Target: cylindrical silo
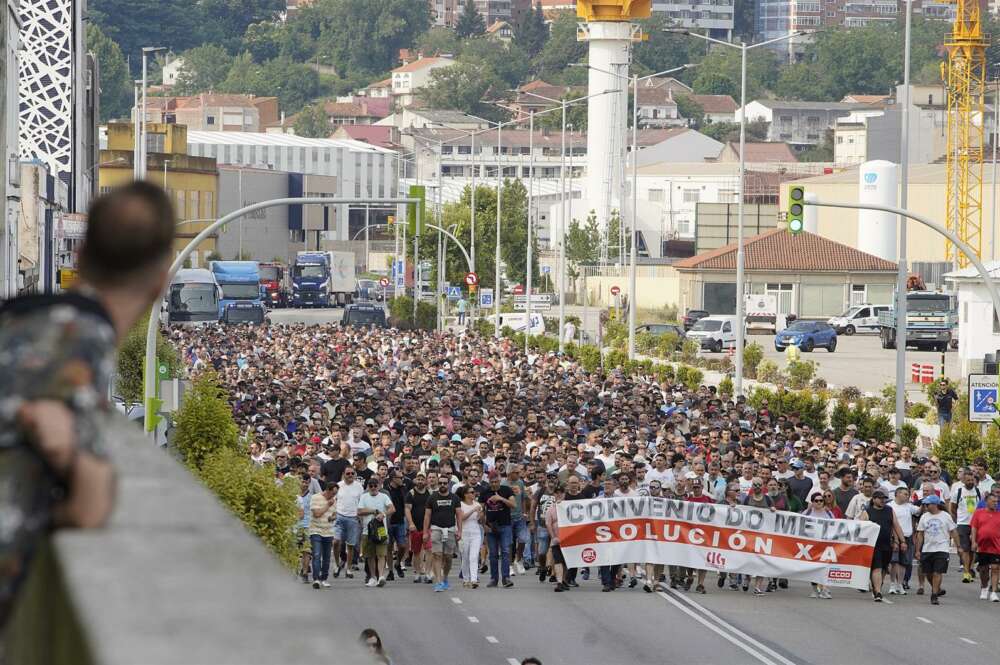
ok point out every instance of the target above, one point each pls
(878, 183)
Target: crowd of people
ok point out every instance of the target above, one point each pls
(415, 450)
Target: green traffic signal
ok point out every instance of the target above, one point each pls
(416, 192)
(796, 208)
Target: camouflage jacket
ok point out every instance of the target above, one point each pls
(51, 347)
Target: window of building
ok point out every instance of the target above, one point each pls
(728, 196)
(858, 294)
(840, 139)
(465, 149)
(446, 149)
(210, 120)
(208, 203)
(783, 292)
(691, 195)
(656, 196)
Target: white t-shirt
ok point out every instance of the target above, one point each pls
(937, 531)
(965, 502)
(781, 475)
(857, 505)
(379, 502)
(889, 488)
(348, 497)
(666, 477)
(905, 512)
(745, 484)
(943, 490)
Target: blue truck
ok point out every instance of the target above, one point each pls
(323, 279)
(931, 321)
(241, 300)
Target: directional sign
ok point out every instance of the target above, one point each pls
(984, 391)
(384, 282)
(486, 298)
(535, 306)
(536, 299)
(454, 293)
(471, 279)
(519, 290)
(546, 270)
(615, 290)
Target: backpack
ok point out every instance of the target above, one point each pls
(377, 533)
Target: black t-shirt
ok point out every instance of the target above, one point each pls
(364, 475)
(333, 469)
(800, 487)
(497, 512)
(398, 496)
(581, 495)
(418, 504)
(588, 492)
(944, 400)
(443, 508)
(843, 497)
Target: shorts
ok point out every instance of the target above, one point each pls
(934, 562)
(965, 537)
(302, 541)
(347, 530)
(443, 541)
(522, 534)
(370, 549)
(988, 559)
(881, 559)
(557, 555)
(904, 557)
(543, 540)
(397, 533)
(416, 541)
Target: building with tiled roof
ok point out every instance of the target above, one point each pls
(765, 152)
(409, 78)
(717, 108)
(812, 276)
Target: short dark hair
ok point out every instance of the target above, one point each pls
(129, 230)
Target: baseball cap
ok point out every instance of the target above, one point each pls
(933, 498)
(456, 437)
(880, 493)
(798, 465)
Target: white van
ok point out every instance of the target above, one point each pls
(714, 333)
(860, 318)
(518, 321)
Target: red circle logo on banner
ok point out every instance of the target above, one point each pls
(588, 555)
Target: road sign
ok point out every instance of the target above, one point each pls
(615, 290)
(425, 266)
(546, 270)
(486, 298)
(471, 278)
(535, 306)
(536, 299)
(519, 290)
(454, 293)
(67, 277)
(384, 282)
(984, 391)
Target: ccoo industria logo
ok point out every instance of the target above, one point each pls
(715, 560)
(870, 178)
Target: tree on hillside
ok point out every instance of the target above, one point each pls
(116, 82)
(531, 32)
(576, 115)
(312, 122)
(439, 40)
(470, 22)
(583, 244)
(204, 69)
(225, 22)
(244, 76)
(726, 132)
(664, 50)
(719, 73)
(134, 24)
(560, 50)
(486, 70)
(690, 109)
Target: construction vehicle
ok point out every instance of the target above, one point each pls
(931, 320)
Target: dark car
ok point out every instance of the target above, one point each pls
(369, 289)
(658, 329)
(692, 317)
(807, 335)
(364, 314)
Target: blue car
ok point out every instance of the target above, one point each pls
(807, 335)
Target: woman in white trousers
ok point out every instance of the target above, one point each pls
(470, 517)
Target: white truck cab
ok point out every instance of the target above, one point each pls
(715, 332)
(860, 318)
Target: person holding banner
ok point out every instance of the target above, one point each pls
(552, 526)
(890, 538)
(817, 508)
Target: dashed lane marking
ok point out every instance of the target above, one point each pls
(473, 619)
(457, 601)
(492, 640)
(968, 641)
(924, 619)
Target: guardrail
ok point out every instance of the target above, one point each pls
(174, 579)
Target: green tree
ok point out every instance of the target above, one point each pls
(134, 24)
(663, 50)
(561, 49)
(244, 76)
(719, 73)
(129, 384)
(726, 132)
(204, 422)
(582, 244)
(204, 69)
(312, 122)
(531, 33)
(690, 109)
(439, 40)
(470, 22)
(226, 21)
(485, 70)
(805, 81)
(823, 152)
(116, 82)
(576, 116)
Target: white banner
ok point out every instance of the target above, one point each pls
(741, 539)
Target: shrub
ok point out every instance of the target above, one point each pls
(768, 372)
(645, 342)
(664, 373)
(726, 387)
(810, 406)
(752, 355)
(689, 351)
(204, 422)
(958, 445)
(889, 397)
(840, 417)
(615, 358)
(267, 508)
(800, 373)
(589, 357)
(692, 378)
(401, 314)
(850, 393)
(615, 334)
(666, 344)
(129, 382)
(908, 433)
(917, 410)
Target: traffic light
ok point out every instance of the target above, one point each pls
(416, 192)
(796, 208)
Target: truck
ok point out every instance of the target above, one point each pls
(273, 282)
(193, 298)
(762, 314)
(323, 279)
(241, 300)
(931, 321)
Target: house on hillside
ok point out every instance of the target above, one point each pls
(717, 108)
(408, 79)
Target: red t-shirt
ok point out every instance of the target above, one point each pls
(987, 525)
(704, 498)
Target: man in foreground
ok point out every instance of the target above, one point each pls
(55, 373)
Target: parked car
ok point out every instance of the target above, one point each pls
(807, 335)
(660, 329)
(369, 289)
(714, 332)
(860, 318)
(692, 317)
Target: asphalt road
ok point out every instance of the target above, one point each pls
(585, 626)
(307, 316)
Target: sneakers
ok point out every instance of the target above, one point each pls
(984, 593)
(825, 595)
(349, 575)
(390, 577)
(814, 594)
(325, 584)
(519, 567)
(995, 597)
(633, 582)
(722, 580)
(920, 591)
(438, 588)
(506, 583)
(445, 586)
(967, 578)
(417, 579)
(700, 588)
(647, 588)
(877, 597)
(758, 592)
(934, 599)
(399, 572)
(371, 583)
(315, 584)
(892, 589)
(492, 584)
(336, 572)
(381, 582)
(585, 574)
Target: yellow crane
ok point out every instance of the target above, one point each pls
(965, 82)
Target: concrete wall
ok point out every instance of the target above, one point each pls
(264, 234)
(977, 336)
(656, 286)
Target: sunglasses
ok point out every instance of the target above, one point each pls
(817, 500)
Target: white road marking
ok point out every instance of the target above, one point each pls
(513, 661)
(492, 640)
(473, 619)
(924, 619)
(967, 640)
(457, 601)
(719, 631)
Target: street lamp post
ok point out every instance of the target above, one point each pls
(740, 258)
(146, 50)
(902, 271)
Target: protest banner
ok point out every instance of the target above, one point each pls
(731, 539)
